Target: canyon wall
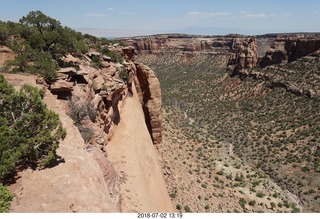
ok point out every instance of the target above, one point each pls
(188, 45)
(150, 98)
(286, 50)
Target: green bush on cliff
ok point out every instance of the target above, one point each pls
(29, 131)
(115, 57)
(39, 42)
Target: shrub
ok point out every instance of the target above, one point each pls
(115, 57)
(187, 209)
(79, 110)
(242, 202)
(96, 62)
(45, 67)
(5, 199)
(124, 74)
(86, 133)
(220, 172)
(29, 131)
(260, 194)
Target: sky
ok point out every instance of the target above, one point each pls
(116, 18)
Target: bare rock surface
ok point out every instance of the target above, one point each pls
(132, 151)
(149, 86)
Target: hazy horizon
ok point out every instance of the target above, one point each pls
(107, 18)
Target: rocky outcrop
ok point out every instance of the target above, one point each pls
(296, 57)
(288, 48)
(98, 99)
(107, 86)
(149, 91)
(246, 57)
(188, 45)
(5, 54)
(132, 149)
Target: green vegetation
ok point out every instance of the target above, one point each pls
(260, 194)
(39, 41)
(5, 199)
(115, 57)
(79, 110)
(29, 133)
(242, 202)
(187, 209)
(269, 128)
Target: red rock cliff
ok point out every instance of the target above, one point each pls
(149, 91)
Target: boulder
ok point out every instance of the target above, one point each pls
(61, 86)
(69, 70)
(72, 59)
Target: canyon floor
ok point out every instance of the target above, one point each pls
(228, 142)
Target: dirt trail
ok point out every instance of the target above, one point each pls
(132, 151)
(75, 185)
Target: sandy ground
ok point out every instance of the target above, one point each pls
(132, 151)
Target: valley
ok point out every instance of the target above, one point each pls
(239, 144)
(160, 123)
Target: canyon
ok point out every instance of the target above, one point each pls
(235, 104)
(205, 124)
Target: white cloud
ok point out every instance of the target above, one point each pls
(248, 14)
(197, 14)
(110, 9)
(95, 15)
(255, 15)
(200, 14)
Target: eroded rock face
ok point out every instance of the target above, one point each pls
(149, 92)
(5, 54)
(246, 56)
(189, 45)
(288, 48)
(100, 93)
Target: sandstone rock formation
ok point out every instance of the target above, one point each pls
(288, 48)
(284, 49)
(77, 184)
(100, 95)
(183, 44)
(246, 56)
(5, 54)
(131, 148)
(149, 92)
